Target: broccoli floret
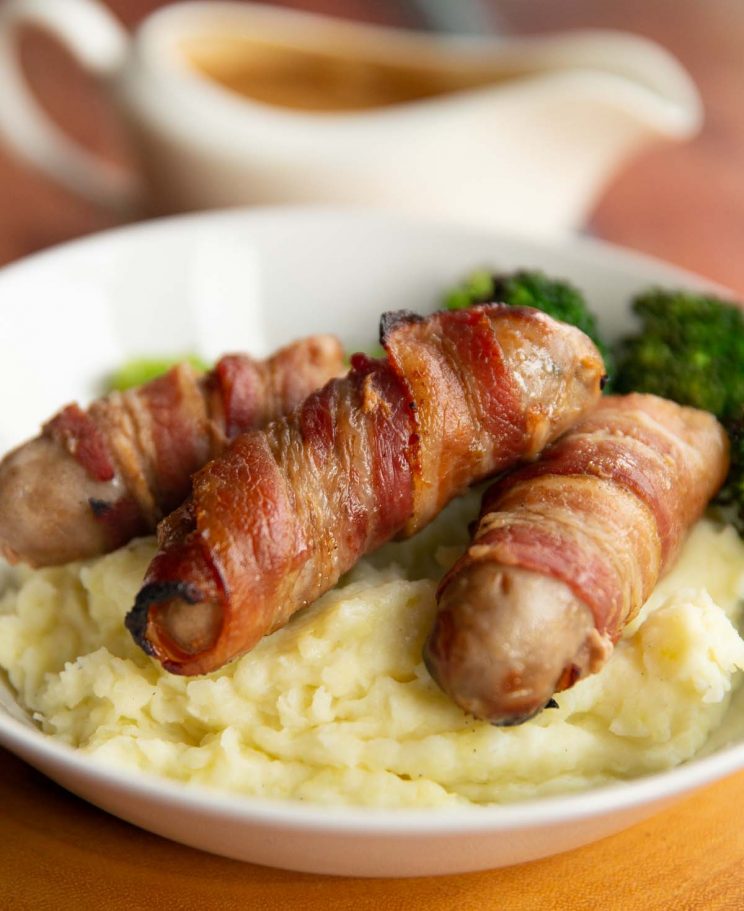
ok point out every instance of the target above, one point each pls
(477, 288)
(528, 288)
(141, 370)
(690, 348)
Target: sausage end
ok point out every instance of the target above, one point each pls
(506, 639)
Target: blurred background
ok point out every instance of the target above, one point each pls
(683, 202)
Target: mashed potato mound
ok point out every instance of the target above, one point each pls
(338, 708)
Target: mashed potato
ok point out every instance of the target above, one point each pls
(338, 707)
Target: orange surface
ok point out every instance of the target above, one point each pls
(59, 853)
(685, 204)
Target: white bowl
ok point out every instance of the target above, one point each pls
(253, 280)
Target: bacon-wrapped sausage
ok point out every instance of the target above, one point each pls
(566, 552)
(276, 520)
(94, 479)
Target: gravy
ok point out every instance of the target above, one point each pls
(310, 80)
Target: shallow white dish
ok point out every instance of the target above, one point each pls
(251, 281)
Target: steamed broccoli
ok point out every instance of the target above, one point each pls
(141, 370)
(690, 348)
(532, 289)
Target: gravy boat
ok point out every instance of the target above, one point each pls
(524, 132)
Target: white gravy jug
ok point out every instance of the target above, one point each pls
(521, 133)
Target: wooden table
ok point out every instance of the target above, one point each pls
(59, 853)
(685, 204)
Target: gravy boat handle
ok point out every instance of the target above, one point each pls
(99, 44)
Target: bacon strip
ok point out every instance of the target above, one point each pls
(284, 512)
(587, 531)
(77, 432)
(96, 478)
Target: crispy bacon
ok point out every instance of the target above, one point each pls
(96, 478)
(284, 512)
(586, 531)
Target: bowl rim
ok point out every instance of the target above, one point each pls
(32, 745)
(603, 251)
(28, 743)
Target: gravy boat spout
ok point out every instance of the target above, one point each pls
(577, 108)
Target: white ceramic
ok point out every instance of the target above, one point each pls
(530, 151)
(253, 280)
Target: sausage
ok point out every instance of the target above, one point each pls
(95, 479)
(566, 552)
(284, 512)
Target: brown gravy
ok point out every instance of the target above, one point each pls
(309, 80)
